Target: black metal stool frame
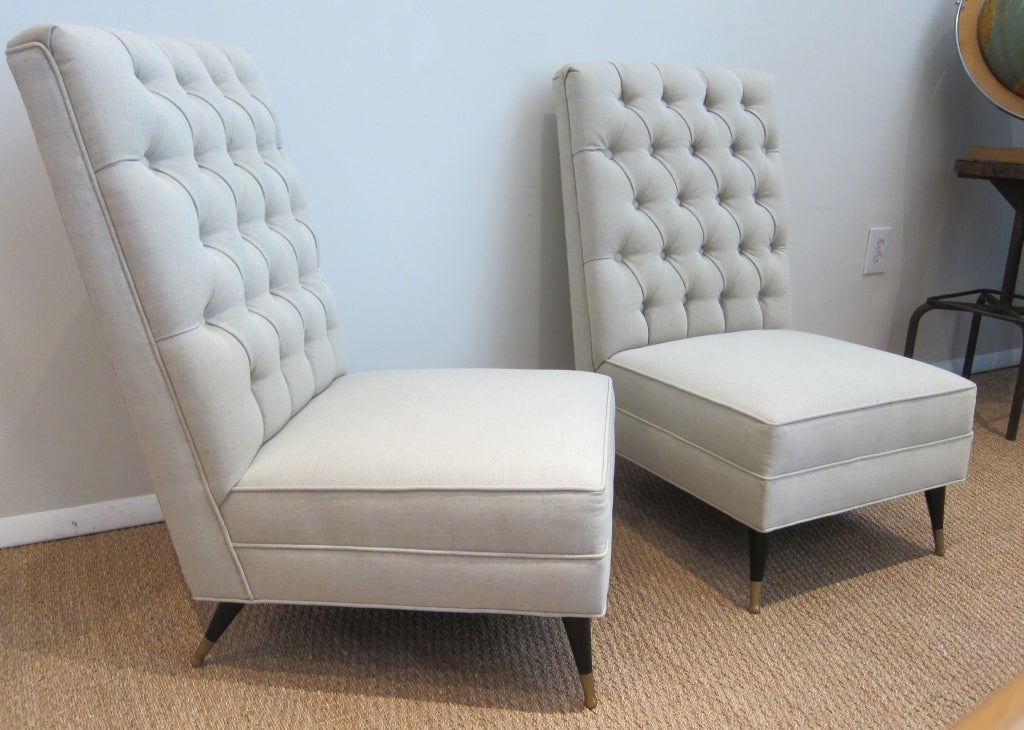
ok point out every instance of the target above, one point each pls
(1004, 304)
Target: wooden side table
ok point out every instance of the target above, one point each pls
(1003, 304)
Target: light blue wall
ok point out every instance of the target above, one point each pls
(426, 138)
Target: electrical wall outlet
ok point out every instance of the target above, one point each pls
(877, 251)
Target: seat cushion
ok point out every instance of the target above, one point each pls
(473, 464)
(776, 426)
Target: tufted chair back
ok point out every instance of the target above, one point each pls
(674, 211)
(220, 323)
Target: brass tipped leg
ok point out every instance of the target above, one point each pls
(758, 560)
(201, 651)
(755, 596)
(222, 618)
(936, 499)
(578, 631)
(589, 695)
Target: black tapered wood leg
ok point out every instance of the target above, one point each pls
(758, 560)
(578, 631)
(936, 499)
(222, 618)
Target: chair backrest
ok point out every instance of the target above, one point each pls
(674, 213)
(195, 246)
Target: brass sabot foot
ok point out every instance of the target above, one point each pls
(201, 651)
(755, 596)
(940, 543)
(589, 695)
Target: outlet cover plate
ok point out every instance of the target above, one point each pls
(877, 250)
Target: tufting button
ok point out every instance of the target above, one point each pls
(607, 153)
(650, 150)
(662, 256)
(701, 251)
(679, 202)
(617, 257)
(636, 203)
(690, 149)
(718, 199)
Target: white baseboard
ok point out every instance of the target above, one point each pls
(983, 362)
(83, 520)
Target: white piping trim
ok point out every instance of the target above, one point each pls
(420, 551)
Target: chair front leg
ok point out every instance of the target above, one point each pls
(578, 631)
(936, 499)
(758, 560)
(222, 618)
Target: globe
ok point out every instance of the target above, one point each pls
(990, 37)
(1001, 37)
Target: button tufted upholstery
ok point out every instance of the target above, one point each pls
(280, 479)
(685, 233)
(677, 248)
(214, 231)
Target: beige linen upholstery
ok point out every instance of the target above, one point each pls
(677, 247)
(282, 479)
(445, 489)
